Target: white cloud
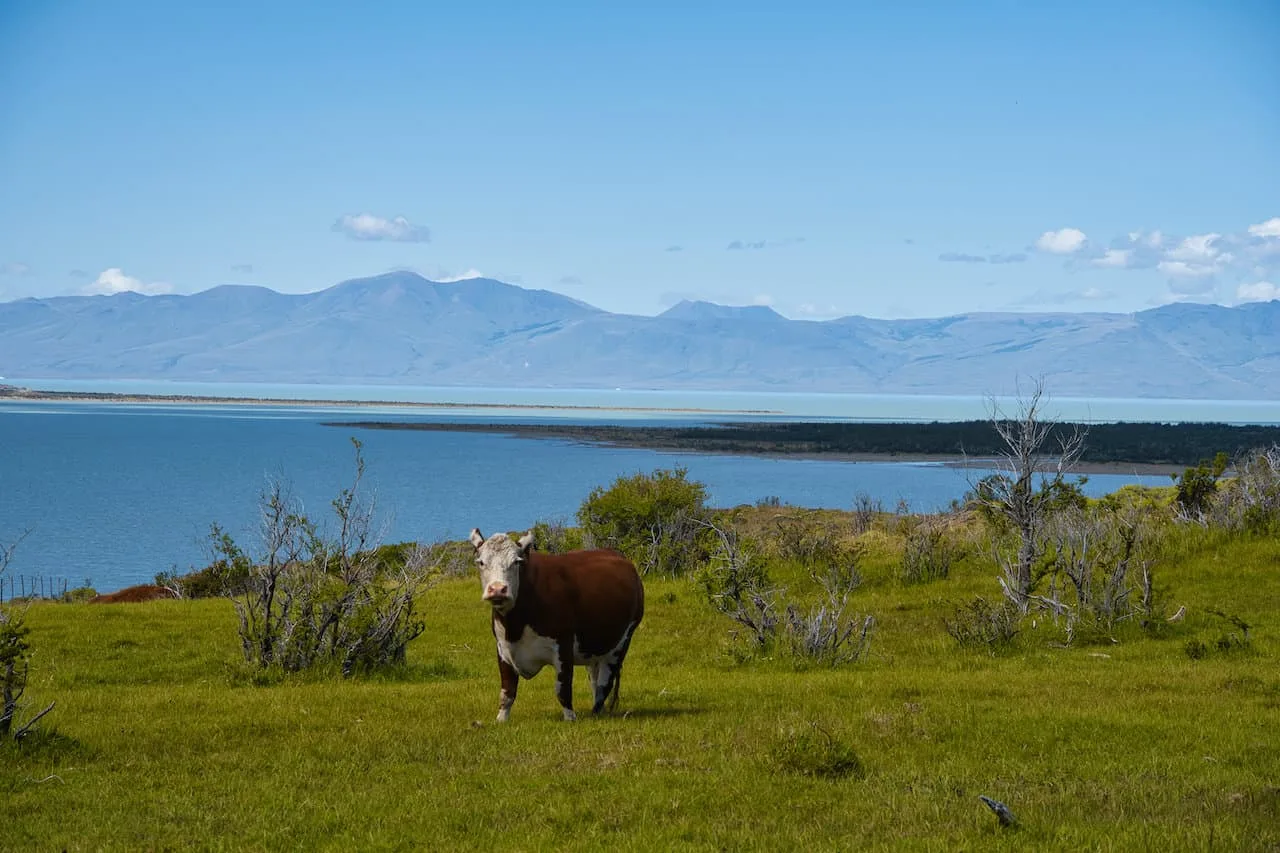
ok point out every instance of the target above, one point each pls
(114, 280)
(1064, 241)
(366, 226)
(762, 299)
(1259, 291)
(1200, 247)
(462, 276)
(1147, 239)
(1184, 269)
(1270, 228)
(810, 311)
(14, 268)
(1114, 258)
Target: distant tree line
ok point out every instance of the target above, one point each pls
(1145, 443)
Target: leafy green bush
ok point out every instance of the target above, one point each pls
(15, 661)
(1197, 486)
(556, 537)
(658, 520)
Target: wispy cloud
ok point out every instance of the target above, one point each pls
(366, 226)
(569, 281)
(81, 274)
(242, 269)
(813, 311)
(962, 258)
(114, 280)
(1064, 297)
(465, 275)
(674, 249)
(1258, 291)
(740, 245)
(14, 268)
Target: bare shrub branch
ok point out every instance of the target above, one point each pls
(311, 599)
(1012, 498)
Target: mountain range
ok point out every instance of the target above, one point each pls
(402, 329)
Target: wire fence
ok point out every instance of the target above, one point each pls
(31, 586)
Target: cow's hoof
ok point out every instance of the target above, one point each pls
(569, 716)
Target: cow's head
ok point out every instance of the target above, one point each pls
(500, 559)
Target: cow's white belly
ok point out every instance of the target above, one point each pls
(530, 653)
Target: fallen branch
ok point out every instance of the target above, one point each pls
(22, 732)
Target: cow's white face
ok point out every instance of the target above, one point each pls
(500, 559)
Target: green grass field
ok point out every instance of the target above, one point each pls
(163, 739)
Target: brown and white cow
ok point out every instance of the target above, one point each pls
(560, 610)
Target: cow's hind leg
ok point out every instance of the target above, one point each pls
(564, 680)
(609, 680)
(603, 676)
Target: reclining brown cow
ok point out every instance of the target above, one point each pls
(561, 610)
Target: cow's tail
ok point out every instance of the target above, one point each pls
(612, 701)
(615, 689)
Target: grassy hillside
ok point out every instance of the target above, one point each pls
(162, 738)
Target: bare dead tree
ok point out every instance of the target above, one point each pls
(1105, 561)
(1250, 499)
(1014, 498)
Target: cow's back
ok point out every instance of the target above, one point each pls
(598, 595)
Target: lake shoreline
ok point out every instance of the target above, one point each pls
(11, 393)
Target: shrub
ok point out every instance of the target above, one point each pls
(981, 624)
(1197, 486)
(811, 750)
(312, 599)
(813, 544)
(1102, 562)
(737, 584)
(1250, 501)
(556, 537)
(927, 553)
(658, 520)
(15, 661)
(865, 511)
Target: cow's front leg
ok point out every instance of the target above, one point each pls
(510, 682)
(564, 679)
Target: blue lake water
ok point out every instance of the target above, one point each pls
(114, 493)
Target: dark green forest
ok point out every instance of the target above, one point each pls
(1138, 443)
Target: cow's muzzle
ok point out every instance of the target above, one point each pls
(497, 594)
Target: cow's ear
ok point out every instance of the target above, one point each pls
(476, 539)
(526, 542)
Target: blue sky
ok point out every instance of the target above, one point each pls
(826, 159)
